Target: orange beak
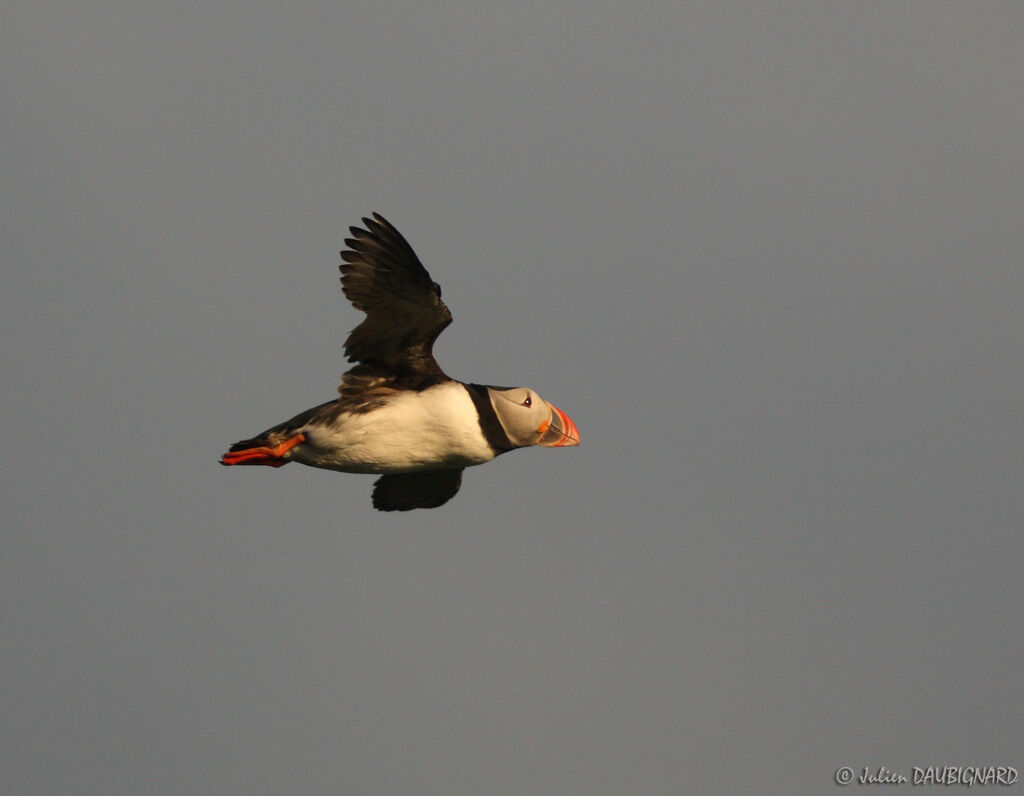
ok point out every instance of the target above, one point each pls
(559, 431)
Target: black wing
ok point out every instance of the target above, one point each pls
(426, 489)
(382, 276)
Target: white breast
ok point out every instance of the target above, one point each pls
(437, 427)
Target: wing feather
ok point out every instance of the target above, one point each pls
(382, 276)
(426, 489)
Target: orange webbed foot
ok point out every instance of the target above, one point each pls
(267, 456)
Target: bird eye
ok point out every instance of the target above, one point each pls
(528, 402)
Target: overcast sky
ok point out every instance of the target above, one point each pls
(767, 256)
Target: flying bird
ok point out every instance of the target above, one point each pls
(397, 413)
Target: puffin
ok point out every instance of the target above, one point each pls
(397, 414)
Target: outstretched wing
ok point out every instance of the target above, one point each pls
(382, 276)
(425, 489)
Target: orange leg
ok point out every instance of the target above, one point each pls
(271, 457)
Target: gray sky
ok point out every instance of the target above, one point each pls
(767, 256)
